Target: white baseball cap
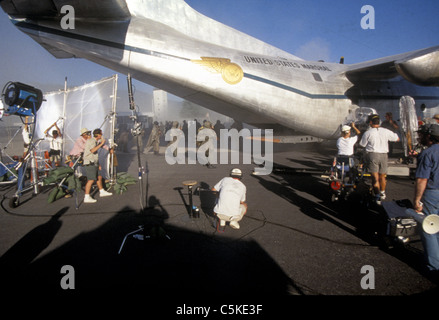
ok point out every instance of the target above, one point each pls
(236, 173)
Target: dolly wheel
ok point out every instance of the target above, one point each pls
(13, 202)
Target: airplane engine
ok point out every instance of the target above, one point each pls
(421, 70)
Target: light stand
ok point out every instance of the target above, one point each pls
(24, 101)
(136, 132)
(110, 117)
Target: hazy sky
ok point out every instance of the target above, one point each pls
(312, 29)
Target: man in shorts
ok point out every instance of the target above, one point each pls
(55, 144)
(376, 143)
(91, 165)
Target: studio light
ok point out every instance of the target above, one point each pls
(21, 99)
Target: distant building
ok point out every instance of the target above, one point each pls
(160, 105)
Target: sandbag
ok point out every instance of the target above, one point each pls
(57, 175)
(123, 179)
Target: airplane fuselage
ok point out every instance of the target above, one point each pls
(262, 89)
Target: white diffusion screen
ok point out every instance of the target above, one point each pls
(89, 106)
(50, 111)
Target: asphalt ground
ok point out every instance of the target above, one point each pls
(293, 240)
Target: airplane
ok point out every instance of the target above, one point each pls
(169, 45)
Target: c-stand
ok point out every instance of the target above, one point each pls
(136, 132)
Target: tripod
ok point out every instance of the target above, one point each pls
(141, 228)
(136, 234)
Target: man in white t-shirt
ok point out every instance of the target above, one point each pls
(345, 144)
(231, 203)
(55, 144)
(376, 143)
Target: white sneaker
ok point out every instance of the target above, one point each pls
(89, 199)
(234, 224)
(382, 195)
(104, 193)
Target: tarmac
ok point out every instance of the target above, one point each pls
(293, 241)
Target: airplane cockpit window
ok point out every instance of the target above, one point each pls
(317, 77)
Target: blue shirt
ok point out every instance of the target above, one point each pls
(428, 166)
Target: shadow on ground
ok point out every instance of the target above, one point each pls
(187, 263)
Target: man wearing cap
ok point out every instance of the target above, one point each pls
(92, 167)
(79, 145)
(345, 144)
(426, 198)
(231, 203)
(376, 143)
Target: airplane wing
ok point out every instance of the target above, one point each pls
(175, 14)
(108, 9)
(420, 67)
(57, 53)
(102, 11)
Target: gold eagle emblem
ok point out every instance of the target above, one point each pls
(230, 72)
